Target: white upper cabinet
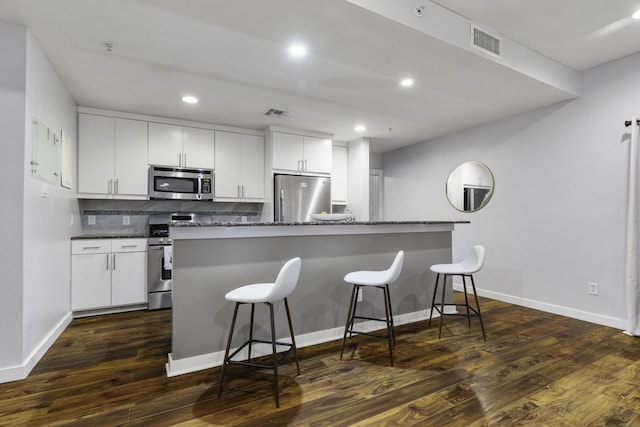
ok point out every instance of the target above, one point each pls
(317, 155)
(239, 166)
(339, 174)
(198, 148)
(112, 157)
(301, 154)
(131, 171)
(173, 145)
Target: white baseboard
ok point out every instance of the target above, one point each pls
(21, 372)
(210, 360)
(551, 308)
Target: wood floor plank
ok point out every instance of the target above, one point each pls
(535, 368)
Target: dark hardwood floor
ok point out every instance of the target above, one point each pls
(534, 369)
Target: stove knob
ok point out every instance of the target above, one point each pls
(161, 240)
(169, 241)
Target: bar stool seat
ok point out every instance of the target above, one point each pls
(267, 293)
(380, 280)
(472, 263)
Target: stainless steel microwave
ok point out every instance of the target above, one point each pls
(167, 182)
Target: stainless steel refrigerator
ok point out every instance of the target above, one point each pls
(296, 197)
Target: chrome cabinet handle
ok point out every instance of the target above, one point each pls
(107, 263)
(243, 191)
(113, 266)
(91, 247)
(109, 186)
(185, 160)
(115, 186)
(238, 190)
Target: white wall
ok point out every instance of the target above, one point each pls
(12, 105)
(557, 217)
(41, 252)
(358, 178)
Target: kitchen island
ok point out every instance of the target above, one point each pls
(210, 260)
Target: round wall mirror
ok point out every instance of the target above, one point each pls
(470, 186)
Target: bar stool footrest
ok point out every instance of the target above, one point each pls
(371, 334)
(438, 309)
(258, 365)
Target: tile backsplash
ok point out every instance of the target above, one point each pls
(108, 216)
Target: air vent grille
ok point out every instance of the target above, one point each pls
(485, 41)
(275, 112)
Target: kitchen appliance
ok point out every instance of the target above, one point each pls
(160, 257)
(296, 197)
(166, 182)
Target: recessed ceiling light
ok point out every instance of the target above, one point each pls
(190, 99)
(297, 50)
(360, 128)
(636, 14)
(407, 82)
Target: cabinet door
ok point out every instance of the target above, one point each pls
(131, 170)
(197, 148)
(252, 170)
(287, 151)
(90, 281)
(96, 137)
(228, 164)
(129, 278)
(165, 144)
(339, 175)
(317, 155)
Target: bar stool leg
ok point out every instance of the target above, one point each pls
(433, 300)
(275, 358)
(478, 306)
(293, 339)
(253, 308)
(349, 318)
(389, 324)
(226, 352)
(393, 326)
(444, 288)
(466, 299)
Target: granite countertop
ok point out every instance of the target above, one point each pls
(318, 223)
(110, 236)
(117, 235)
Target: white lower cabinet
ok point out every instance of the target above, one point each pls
(108, 273)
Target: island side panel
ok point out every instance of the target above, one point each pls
(206, 269)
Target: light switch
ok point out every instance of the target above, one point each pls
(126, 220)
(91, 220)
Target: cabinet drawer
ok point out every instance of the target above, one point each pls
(79, 247)
(129, 245)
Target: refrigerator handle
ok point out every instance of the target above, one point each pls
(281, 213)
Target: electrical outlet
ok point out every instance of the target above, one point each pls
(593, 288)
(244, 219)
(71, 220)
(91, 219)
(126, 220)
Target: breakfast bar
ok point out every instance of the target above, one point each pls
(210, 260)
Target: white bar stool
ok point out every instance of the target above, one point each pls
(266, 293)
(375, 279)
(471, 264)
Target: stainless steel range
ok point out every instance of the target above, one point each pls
(160, 265)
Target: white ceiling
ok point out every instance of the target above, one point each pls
(232, 55)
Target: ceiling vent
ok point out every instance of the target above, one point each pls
(274, 112)
(485, 41)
